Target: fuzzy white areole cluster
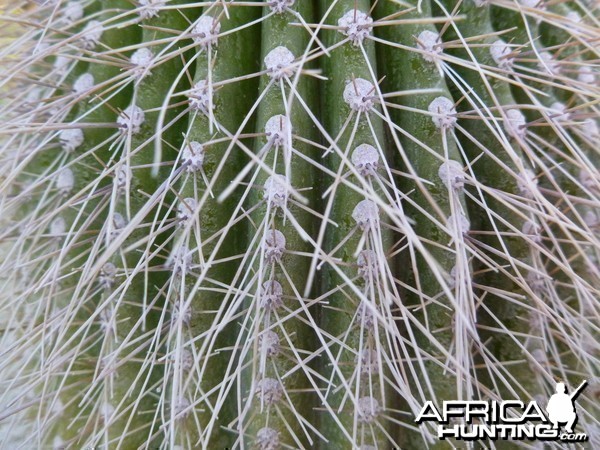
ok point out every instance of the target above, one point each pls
(590, 128)
(502, 54)
(280, 6)
(588, 180)
(108, 273)
(537, 357)
(73, 11)
(548, 63)
(515, 123)
(181, 260)
(533, 231)
(206, 31)
(452, 174)
(268, 341)
(458, 224)
(118, 223)
(200, 97)
(368, 409)
(84, 83)
(279, 63)
(181, 408)
(186, 360)
(365, 317)
(527, 183)
(368, 359)
(58, 227)
(359, 94)
(453, 277)
(91, 34)
(365, 158)
(573, 16)
(273, 246)
(430, 43)
(33, 100)
(559, 112)
(531, 3)
(58, 443)
(106, 411)
(366, 215)
(535, 320)
(181, 312)
(367, 265)
(276, 191)
(65, 181)
(271, 296)
(71, 139)
(357, 25)
(141, 61)
(592, 220)
(443, 113)
(277, 129)
(149, 8)
(186, 210)
(267, 439)
(192, 157)
(131, 119)
(586, 75)
(269, 391)
(123, 178)
(61, 63)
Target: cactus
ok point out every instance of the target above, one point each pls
(290, 223)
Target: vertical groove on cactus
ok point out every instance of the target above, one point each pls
(291, 223)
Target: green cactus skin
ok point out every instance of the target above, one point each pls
(81, 221)
(150, 95)
(358, 392)
(441, 216)
(287, 216)
(234, 55)
(497, 314)
(424, 148)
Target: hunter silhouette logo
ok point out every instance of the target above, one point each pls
(511, 419)
(561, 407)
